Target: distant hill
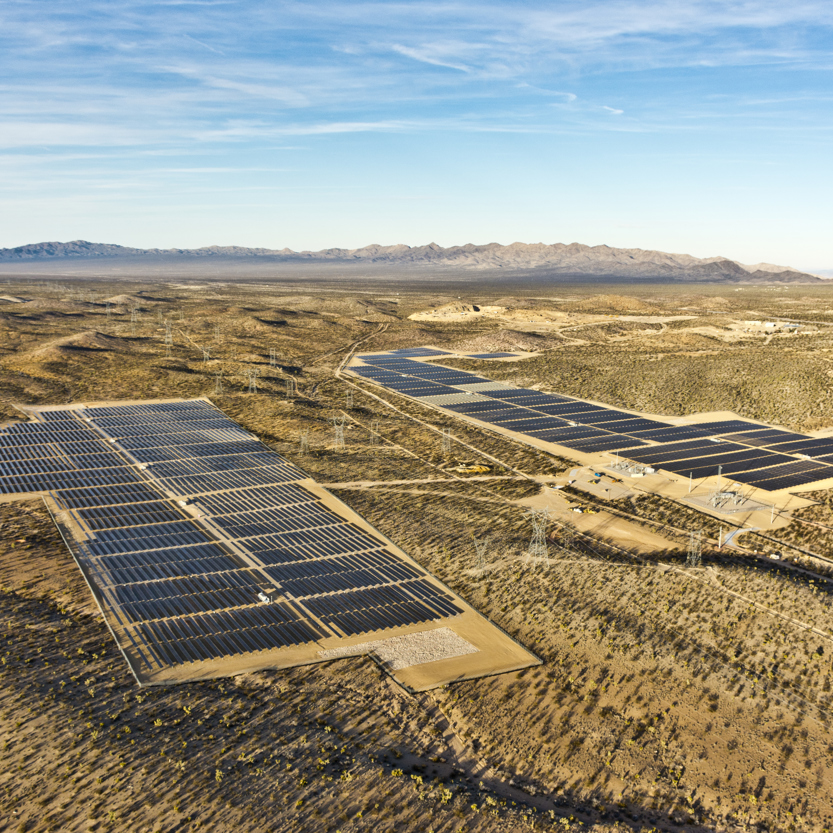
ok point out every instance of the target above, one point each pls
(558, 259)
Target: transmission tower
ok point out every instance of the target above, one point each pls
(218, 383)
(695, 549)
(348, 400)
(107, 309)
(217, 332)
(481, 552)
(538, 544)
(303, 440)
(446, 441)
(167, 351)
(134, 317)
(169, 339)
(206, 355)
(273, 357)
(252, 374)
(291, 388)
(338, 425)
(375, 427)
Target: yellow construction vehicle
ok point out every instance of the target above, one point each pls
(471, 469)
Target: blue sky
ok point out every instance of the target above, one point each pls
(701, 127)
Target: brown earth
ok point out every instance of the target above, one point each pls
(670, 698)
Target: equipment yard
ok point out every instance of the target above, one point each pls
(540, 574)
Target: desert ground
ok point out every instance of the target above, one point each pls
(670, 697)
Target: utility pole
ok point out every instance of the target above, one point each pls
(218, 383)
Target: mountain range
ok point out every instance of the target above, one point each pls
(567, 260)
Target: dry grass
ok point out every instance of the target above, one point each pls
(668, 698)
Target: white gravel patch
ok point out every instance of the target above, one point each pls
(410, 649)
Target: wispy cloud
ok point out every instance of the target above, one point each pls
(211, 85)
(426, 57)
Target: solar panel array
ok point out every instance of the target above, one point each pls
(191, 522)
(747, 452)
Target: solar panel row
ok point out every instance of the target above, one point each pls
(162, 572)
(743, 448)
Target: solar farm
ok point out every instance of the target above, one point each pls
(210, 554)
(742, 451)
